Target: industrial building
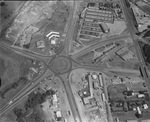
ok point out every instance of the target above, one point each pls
(87, 23)
(93, 23)
(125, 53)
(91, 28)
(104, 28)
(88, 98)
(92, 34)
(100, 15)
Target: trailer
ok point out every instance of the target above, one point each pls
(100, 80)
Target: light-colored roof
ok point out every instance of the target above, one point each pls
(58, 114)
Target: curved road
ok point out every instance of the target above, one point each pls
(64, 77)
(136, 40)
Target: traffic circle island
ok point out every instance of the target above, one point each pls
(60, 65)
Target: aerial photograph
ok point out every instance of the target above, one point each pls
(74, 60)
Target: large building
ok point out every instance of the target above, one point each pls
(93, 21)
(125, 53)
(100, 15)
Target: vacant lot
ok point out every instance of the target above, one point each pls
(8, 9)
(14, 71)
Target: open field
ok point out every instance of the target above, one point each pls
(15, 73)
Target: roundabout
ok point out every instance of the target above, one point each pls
(60, 65)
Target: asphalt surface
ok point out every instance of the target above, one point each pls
(103, 42)
(71, 25)
(69, 33)
(131, 27)
(31, 86)
(24, 92)
(71, 99)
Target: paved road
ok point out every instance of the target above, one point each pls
(105, 41)
(32, 86)
(71, 98)
(27, 86)
(25, 92)
(26, 54)
(69, 33)
(71, 26)
(132, 29)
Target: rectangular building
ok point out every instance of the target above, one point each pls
(85, 32)
(103, 97)
(100, 15)
(100, 80)
(91, 24)
(125, 53)
(96, 29)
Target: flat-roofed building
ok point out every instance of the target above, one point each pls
(90, 26)
(85, 23)
(100, 18)
(101, 15)
(104, 27)
(91, 85)
(132, 120)
(93, 5)
(100, 80)
(148, 120)
(97, 29)
(93, 34)
(125, 53)
(55, 99)
(58, 116)
(84, 37)
(96, 85)
(86, 100)
(88, 20)
(40, 44)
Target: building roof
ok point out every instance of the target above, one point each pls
(55, 97)
(145, 120)
(86, 100)
(132, 120)
(91, 4)
(58, 114)
(125, 53)
(40, 44)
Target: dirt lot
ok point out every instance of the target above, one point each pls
(12, 68)
(8, 8)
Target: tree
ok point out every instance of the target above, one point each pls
(27, 46)
(138, 115)
(14, 85)
(146, 50)
(23, 80)
(3, 4)
(37, 98)
(18, 112)
(0, 81)
(20, 120)
(2, 95)
(35, 116)
(34, 99)
(50, 92)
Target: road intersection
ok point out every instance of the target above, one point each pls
(53, 63)
(131, 27)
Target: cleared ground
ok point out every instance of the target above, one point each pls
(15, 73)
(8, 9)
